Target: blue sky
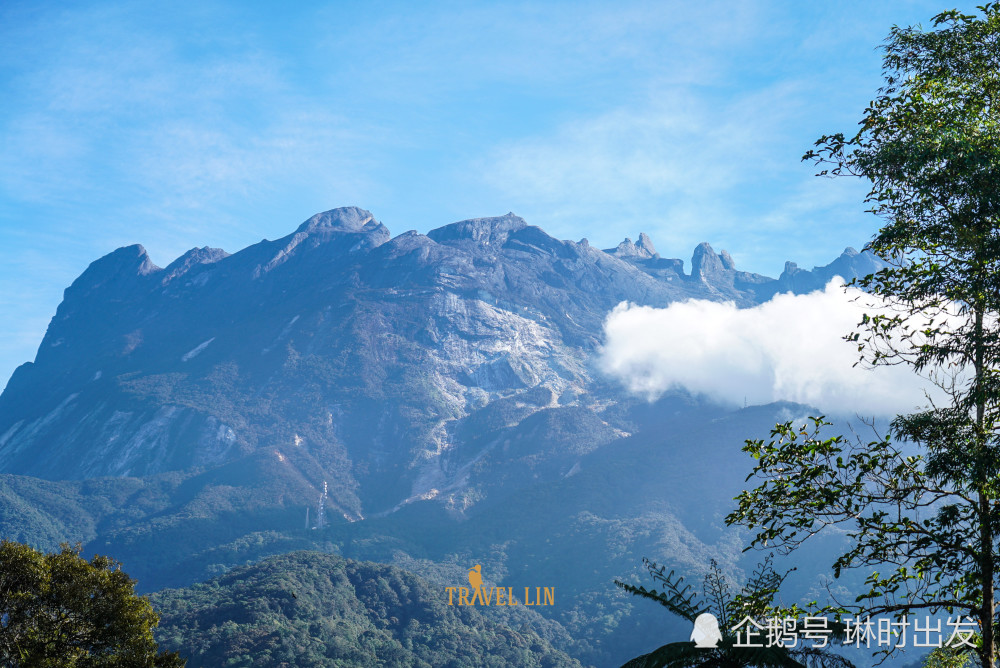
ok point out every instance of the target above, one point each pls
(182, 124)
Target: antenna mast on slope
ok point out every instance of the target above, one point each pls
(321, 511)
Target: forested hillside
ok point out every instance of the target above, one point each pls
(309, 609)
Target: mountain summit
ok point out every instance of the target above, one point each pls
(396, 368)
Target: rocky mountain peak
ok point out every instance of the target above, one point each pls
(643, 249)
(709, 267)
(483, 231)
(851, 264)
(193, 258)
(348, 229)
(118, 268)
(727, 260)
(646, 244)
(345, 219)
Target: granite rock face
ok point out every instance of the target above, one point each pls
(453, 366)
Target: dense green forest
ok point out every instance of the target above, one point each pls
(314, 609)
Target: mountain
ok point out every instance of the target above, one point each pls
(429, 401)
(291, 346)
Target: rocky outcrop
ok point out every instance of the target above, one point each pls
(643, 249)
(850, 265)
(707, 267)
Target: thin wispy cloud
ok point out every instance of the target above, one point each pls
(164, 120)
(688, 167)
(677, 146)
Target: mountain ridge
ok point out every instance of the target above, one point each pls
(475, 311)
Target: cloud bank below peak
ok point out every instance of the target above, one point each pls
(789, 348)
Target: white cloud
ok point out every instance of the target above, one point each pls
(789, 348)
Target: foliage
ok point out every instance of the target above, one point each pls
(923, 521)
(753, 601)
(900, 520)
(58, 609)
(946, 657)
(313, 609)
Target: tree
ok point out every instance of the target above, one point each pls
(754, 601)
(928, 511)
(59, 610)
(945, 657)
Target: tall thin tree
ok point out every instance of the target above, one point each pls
(925, 525)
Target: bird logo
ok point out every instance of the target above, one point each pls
(476, 577)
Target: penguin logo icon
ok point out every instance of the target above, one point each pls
(706, 632)
(476, 577)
